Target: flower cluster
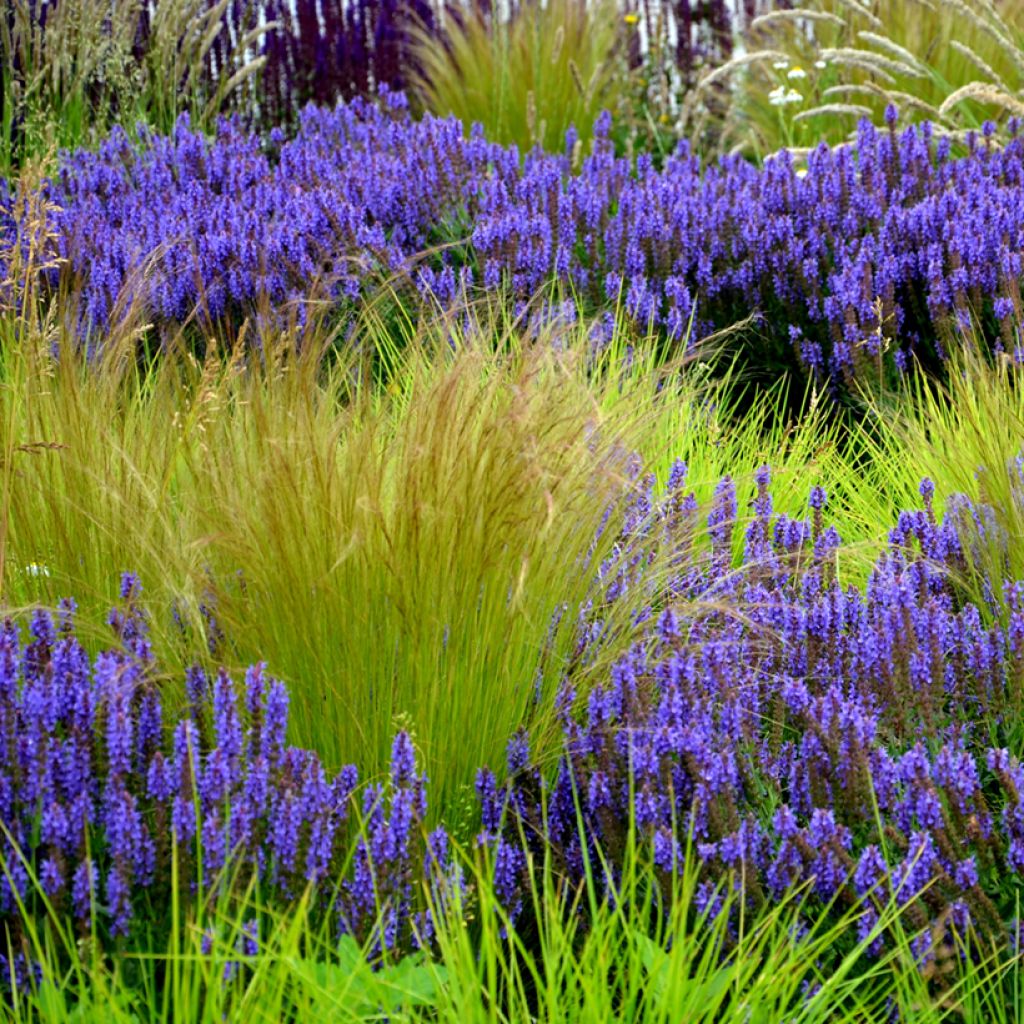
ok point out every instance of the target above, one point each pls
(788, 730)
(893, 238)
(97, 808)
(185, 224)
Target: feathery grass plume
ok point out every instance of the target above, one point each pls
(391, 543)
(886, 67)
(984, 93)
(894, 48)
(986, 69)
(905, 100)
(831, 109)
(903, 57)
(552, 63)
(403, 554)
(789, 15)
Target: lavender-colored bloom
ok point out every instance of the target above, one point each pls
(275, 722)
(251, 938)
(150, 727)
(509, 862)
(51, 877)
(490, 806)
(120, 727)
(196, 686)
(896, 218)
(119, 905)
(518, 752)
(131, 586)
(286, 820)
(403, 760)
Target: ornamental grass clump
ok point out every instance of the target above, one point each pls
(396, 548)
(111, 813)
(527, 77)
(878, 255)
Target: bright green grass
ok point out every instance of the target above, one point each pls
(965, 435)
(651, 957)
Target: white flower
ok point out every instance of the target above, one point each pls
(780, 65)
(820, 64)
(801, 172)
(796, 72)
(780, 97)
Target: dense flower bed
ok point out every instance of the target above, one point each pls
(795, 730)
(102, 805)
(869, 255)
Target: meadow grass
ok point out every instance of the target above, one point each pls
(967, 435)
(632, 948)
(953, 62)
(69, 71)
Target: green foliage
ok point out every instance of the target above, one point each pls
(406, 985)
(394, 550)
(527, 79)
(390, 554)
(63, 82)
(645, 952)
(965, 435)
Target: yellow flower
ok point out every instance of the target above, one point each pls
(631, 19)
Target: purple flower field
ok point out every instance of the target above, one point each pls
(446, 580)
(881, 253)
(768, 721)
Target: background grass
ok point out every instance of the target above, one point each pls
(525, 80)
(953, 62)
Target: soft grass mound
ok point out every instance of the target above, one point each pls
(420, 551)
